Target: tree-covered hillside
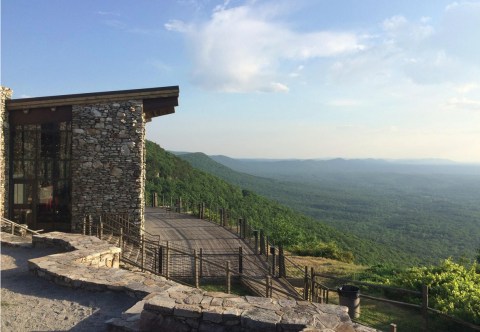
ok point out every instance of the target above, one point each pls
(170, 176)
(429, 216)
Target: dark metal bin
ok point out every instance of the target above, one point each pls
(350, 297)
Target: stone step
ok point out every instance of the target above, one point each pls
(130, 320)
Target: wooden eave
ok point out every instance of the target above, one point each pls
(156, 101)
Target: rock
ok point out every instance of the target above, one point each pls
(125, 150)
(259, 319)
(116, 172)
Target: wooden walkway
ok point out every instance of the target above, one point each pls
(217, 243)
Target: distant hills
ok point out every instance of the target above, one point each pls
(425, 211)
(295, 167)
(172, 177)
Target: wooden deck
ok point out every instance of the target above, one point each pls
(217, 243)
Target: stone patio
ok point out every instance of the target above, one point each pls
(92, 264)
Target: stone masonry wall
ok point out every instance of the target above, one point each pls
(169, 306)
(108, 161)
(5, 93)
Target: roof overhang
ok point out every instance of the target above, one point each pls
(156, 101)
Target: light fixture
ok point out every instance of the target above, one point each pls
(53, 109)
(25, 110)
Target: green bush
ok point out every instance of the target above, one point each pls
(453, 288)
(322, 249)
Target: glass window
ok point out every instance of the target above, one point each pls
(41, 172)
(22, 193)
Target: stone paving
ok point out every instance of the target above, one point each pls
(16, 241)
(91, 264)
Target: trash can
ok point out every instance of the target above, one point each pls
(350, 297)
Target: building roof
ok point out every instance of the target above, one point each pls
(156, 101)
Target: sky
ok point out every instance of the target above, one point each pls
(267, 79)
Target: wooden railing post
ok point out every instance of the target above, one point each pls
(282, 271)
(154, 199)
(195, 268)
(240, 259)
(262, 242)
(305, 284)
(89, 224)
(160, 260)
(312, 286)
(120, 241)
(84, 225)
(266, 247)
(255, 234)
(12, 229)
(201, 263)
(100, 235)
(393, 327)
(222, 217)
(425, 306)
(267, 286)
(155, 259)
(227, 272)
(167, 261)
(272, 252)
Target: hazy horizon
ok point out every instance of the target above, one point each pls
(433, 161)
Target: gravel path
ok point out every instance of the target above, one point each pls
(29, 303)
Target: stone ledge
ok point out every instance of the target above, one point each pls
(91, 263)
(10, 240)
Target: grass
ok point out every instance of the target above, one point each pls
(328, 266)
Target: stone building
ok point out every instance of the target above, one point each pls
(63, 157)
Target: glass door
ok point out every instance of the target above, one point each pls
(40, 196)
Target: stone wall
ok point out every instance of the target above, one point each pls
(5, 93)
(108, 160)
(168, 306)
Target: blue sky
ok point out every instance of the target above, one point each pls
(271, 79)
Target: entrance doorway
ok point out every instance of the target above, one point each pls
(40, 175)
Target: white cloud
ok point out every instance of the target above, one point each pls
(394, 23)
(464, 104)
(278, 87)
(467, 87)
(176, 25)
(244, 48)
(419, 51)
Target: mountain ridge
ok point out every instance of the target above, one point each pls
(386, 207)
(172, 177)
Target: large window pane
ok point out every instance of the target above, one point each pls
(22, 193)
(23, 169)
(41, 171)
